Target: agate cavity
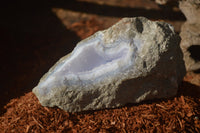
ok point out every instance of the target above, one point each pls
(123, 64)
(89, 58)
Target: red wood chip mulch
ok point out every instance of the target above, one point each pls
(85, 28)
(178, 114)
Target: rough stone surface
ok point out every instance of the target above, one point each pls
(190, 34)
(190, 45)
(191, 10)
(132, 61)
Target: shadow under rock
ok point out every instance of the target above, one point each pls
(188, 89)
(32, 40)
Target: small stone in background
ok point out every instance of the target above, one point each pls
(191, 10)
(190, 34)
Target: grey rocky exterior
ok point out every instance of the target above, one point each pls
(157, 71)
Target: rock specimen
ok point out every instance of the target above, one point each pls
(132, 61)
(190, 34)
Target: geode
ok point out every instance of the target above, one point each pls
(134, 60)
